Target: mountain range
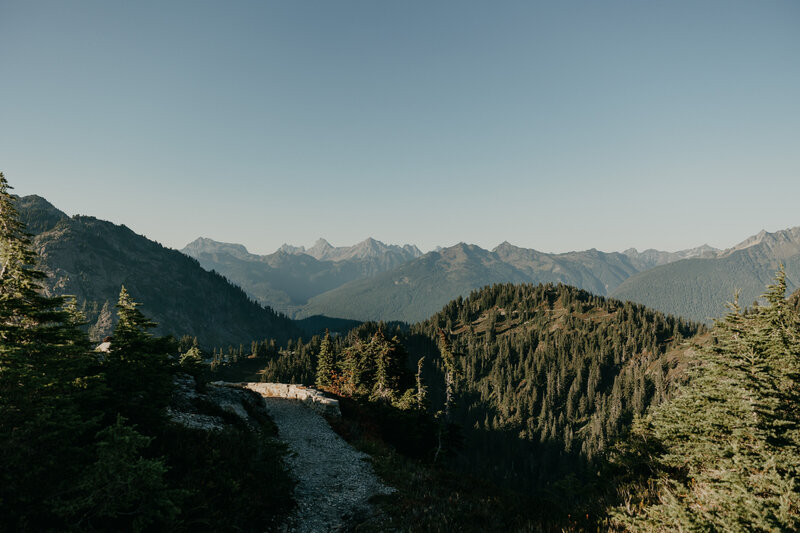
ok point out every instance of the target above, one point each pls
(418, 288)
(551, 377)
(92, 259)
(288, 278)
(375, 281)
(698, 288)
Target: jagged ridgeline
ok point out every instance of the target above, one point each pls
(550, 374)
(91, 259)
(698, 288)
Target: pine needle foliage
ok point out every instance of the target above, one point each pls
(84, 441)
(724, 454)
(49, 387)
(325, 362)
(138, 366)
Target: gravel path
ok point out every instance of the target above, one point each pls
(335, 481)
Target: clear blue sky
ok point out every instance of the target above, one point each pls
(553, 125)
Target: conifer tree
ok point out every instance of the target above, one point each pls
(724, 453)
(122, 490)
(422, 390)
(446, 427)
(137, 366)
(48, 387)
(450, 372)
(326, 363)
(192, 360)
(389, 358)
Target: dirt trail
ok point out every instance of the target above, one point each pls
(335, 481)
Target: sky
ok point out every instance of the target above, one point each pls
(552, 125)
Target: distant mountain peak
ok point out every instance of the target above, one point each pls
(505, 245)
(651, 257)
(204, 245)
(369, 248)
(753, 240)
(371, 243)
(291, 249)
(781, 244)
(38, 214)
(413, 250)
(320, 250)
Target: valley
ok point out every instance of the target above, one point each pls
(535, 374)
(327, 286)
(374, 281)
(399, 267)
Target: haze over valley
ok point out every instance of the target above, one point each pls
(453, 266)
(375, 281)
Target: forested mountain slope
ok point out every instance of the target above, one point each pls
(591, 270)
(92, 259)
(415, 290)
(723, 453)
(373, 281)
(418, 288)
(546, 377)
(550, 375)
(699, 288)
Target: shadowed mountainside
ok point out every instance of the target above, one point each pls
(91, 259)
(417, 289)
(288, 278)
(698, 288)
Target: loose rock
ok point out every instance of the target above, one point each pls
(335, 482)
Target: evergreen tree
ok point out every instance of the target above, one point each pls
(422, 390)
(388, 358)
(447, 429)
(122, 490)
(48, 386)
(191, 361)
(138, 367)
(724, 453)
(451, 371)
(326, 363)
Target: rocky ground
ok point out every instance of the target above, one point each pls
(335, 482)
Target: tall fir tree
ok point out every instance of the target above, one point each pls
(138, 366)
(421, 398)
(326, 363)
(49, 387)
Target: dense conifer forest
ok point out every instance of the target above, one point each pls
(519, 407)
(587, 407)
(724, 453)
(549, 375)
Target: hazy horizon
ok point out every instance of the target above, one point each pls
(490, 246)
(554, 126)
